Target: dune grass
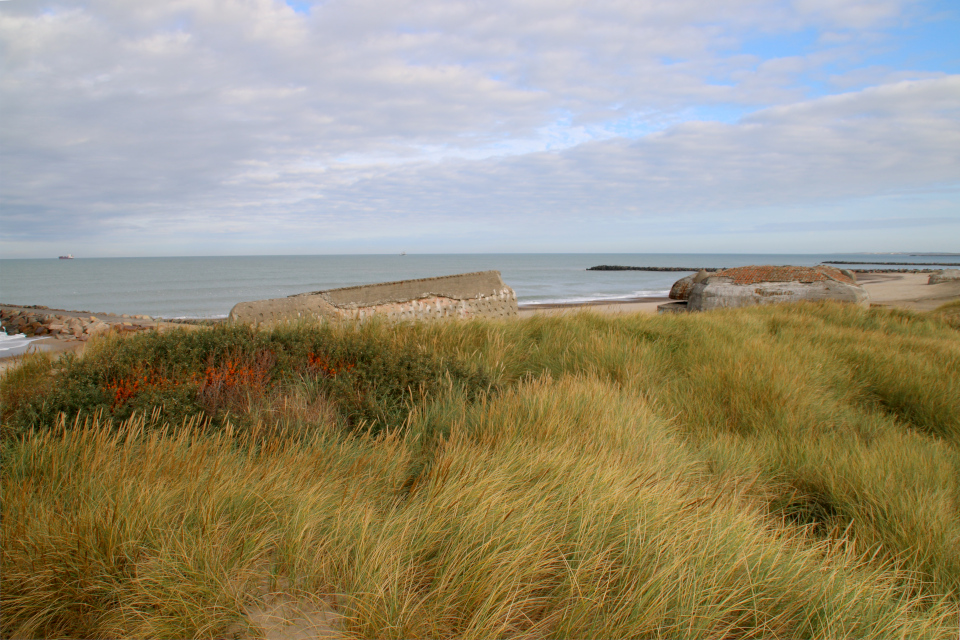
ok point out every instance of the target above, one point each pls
(781, 472)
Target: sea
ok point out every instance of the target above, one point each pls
(208, 287)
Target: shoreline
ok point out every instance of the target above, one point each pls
(892, 289)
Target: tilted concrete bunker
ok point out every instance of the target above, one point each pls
(768, 284)
(482, 294)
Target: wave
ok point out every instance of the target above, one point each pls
(13, 345)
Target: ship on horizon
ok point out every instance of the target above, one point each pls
(69, 256)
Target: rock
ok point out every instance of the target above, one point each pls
(754, 285)
(98, 327)
(947, 275)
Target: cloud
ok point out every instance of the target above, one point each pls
(223, 117)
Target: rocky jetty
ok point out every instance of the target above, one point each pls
(894, 270)
(64, 327)
(950, 264)
(45, 323)
(613, 267)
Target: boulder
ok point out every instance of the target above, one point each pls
(754, 285)
(947, 275)
(98, 327)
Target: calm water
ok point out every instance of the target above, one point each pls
(209, 287)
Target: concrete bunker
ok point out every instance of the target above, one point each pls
(755, 285)
(481, 294)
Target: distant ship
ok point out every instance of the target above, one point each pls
(403, 253)
(69, 256)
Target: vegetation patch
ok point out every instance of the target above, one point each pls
(788, 471)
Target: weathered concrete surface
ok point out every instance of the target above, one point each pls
(677, 306)
(470, 295)
(755, 285)
(682, 287)
(947, 275)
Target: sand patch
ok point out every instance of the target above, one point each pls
(908, 291)
(281, 616)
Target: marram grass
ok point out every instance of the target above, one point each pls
(784, 472)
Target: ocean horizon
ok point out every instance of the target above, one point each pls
(208, 287)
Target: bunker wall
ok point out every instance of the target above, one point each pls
(472, 295)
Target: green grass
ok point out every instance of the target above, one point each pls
(782, 472)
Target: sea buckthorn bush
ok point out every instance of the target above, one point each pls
(238, 373)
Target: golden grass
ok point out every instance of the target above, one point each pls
(778, 472)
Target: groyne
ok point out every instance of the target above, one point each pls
(614, 267)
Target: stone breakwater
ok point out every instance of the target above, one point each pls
(895, 264)
(41, 322)
(55, 325)
(895, 270)
(614, 267)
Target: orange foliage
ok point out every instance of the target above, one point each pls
(233, 373)
(141, 380)
(322, 364)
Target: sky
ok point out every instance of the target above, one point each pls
(264, 127)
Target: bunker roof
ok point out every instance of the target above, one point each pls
(769, 273)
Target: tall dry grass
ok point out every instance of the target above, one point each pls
(775, 472)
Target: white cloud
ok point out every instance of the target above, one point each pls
(127, 117)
